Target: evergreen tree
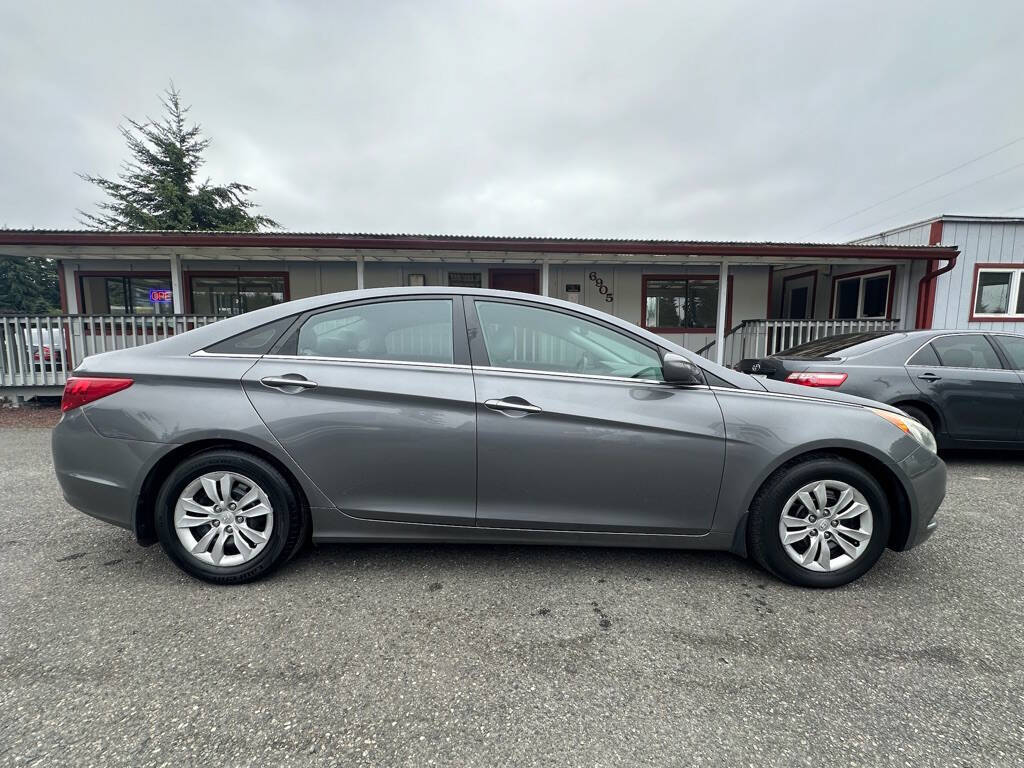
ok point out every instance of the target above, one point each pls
(28, 286)
(158, 188)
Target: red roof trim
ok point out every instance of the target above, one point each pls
(456, 243)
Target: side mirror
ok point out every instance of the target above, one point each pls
(678, 370)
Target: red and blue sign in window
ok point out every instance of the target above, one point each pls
(160, 295)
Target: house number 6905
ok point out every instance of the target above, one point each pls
(601, 287)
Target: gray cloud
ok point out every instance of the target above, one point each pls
(725, 120)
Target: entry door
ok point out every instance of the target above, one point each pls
(977, 399)
(576, 430)
(370, 402)
(522, 280)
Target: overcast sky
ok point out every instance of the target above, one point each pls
(716, 120)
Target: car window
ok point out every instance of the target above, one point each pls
(924, 356)
(843, 344)
(415, 331)
(1013, 346)
(966, 351)
(255, 341)
(517, 336)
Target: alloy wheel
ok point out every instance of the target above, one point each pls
(223, 519)
(825, 525)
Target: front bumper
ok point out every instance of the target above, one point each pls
(927, 474)
(101, 476)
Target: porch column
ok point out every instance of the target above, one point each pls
(177, 286)
(545, 279)
(360, 270)
(723, 297)
(70, 286)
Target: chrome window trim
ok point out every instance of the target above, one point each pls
(363, 361)
(585, 376)
(204, 353)
(907, 364)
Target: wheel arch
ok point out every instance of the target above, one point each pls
(143, 525)
(895, 492)
(924, 406)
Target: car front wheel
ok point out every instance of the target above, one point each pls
(228, 517)
(819, 522)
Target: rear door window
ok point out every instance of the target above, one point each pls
(415, 330)
(1013, 347)
(971, 350)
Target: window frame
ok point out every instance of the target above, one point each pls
(702, 277)
(480, 358)
(189, 274)
(1016, 271)
(286, 347)
(862, 276)
(80, 289)
(987, 336)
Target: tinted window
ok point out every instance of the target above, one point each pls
(924, 356)
(847, 296)
(967, 351)
(876, 296)
(416, 331)
(256, 341)
(845, 345)
(517, 336)
(1013, 346)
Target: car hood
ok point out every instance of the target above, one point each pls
(817, 393)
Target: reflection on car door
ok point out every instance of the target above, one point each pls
(977, 398)
(567, 439)
(381, 415)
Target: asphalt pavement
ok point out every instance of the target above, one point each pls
(507, 655)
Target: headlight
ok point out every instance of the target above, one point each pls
(912, 427)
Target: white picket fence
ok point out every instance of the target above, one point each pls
(40, 351)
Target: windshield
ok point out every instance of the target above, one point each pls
(844, 345)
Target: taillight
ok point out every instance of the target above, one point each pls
(81, 390)
(46, 353)
(816, 379)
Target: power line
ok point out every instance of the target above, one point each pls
(916, 186)
(936, 199)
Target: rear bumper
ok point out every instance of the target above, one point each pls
(98, 475)
(927, 474)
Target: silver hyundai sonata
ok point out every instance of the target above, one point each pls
(449, 414)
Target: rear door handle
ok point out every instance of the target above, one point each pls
(285, 382)
(929, 377)
(512, 404)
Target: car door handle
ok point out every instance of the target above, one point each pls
(281, 382)
(512, 404)
(929, 377)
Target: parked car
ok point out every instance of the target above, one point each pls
(457, 414)
(47, 347)
(966, 387)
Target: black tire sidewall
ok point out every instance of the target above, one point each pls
(768, 546)
(287, 515)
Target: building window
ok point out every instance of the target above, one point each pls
(862, 296)
(684, 303)
(997, 293)
(126, 295)
(235, 294)
(465, 280)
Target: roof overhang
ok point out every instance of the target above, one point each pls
(346, 247)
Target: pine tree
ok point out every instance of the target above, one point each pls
(28, 286)
(158, 188)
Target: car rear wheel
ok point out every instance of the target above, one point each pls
(819, 522)
(228, 517)
(918, 415)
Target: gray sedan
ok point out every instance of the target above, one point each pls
(967, 387)
(448, 414)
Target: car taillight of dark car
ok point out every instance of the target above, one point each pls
(817, 379)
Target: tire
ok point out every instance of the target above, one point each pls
(919, 415)
(765, 522)
(282, 529)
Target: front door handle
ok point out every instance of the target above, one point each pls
(288, 382)
(512, 404)
(929, 376)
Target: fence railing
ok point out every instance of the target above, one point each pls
(761, 338)
(42, 350)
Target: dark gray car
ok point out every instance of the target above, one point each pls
(967, 387)
(442, 414)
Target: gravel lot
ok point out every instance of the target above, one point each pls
(488, 656)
